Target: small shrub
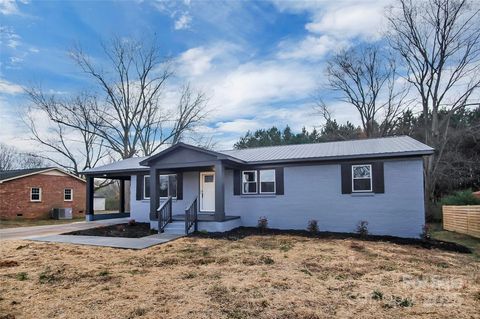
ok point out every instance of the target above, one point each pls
(262, 223)
(362, 228)
(22, 276)
(377, 295)
(464, 197)
(104, 273)
(425, 235)
(313, 226)
(132, 222)
(267, 260)
(47, 276)
(203, 232)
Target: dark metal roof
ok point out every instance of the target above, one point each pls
(20, 172)
(397, 146)
(375, 147)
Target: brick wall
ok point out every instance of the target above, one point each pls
(15, 196)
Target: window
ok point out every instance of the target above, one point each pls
(146, 187)
(267, 181)
(362, 178)
(249, 182)
(68, 194)
(36, 194)
(167, 186)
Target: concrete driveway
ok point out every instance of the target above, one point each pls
(36, 231)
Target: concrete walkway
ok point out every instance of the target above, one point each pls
(115, 242)
(52, 233)
(36, 231)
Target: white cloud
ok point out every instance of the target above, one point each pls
(364, 20)
(333, 25)
(9, 88)
(197, 61)
(310, 48)
(8, 7)
(183, 22)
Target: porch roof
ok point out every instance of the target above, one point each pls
(397, 146)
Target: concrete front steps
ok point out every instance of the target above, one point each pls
(174, 228)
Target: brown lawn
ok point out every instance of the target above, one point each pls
(255, 277)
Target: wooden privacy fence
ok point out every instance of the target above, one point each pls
(462, 219)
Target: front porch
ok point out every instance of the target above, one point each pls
(183, 184)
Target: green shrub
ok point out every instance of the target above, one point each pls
(262, 223)
(464, 197)
(22, 276)
(312, 226)
(362, 228)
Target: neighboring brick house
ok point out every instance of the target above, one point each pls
(33, 193)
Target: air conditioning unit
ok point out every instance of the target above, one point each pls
(62, 213)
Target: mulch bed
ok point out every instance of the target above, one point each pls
(242, 232)
(136, 230)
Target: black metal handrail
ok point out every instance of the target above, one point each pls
(165, 214)
(191, 217)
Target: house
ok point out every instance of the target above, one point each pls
(33, 193)
(336, 183)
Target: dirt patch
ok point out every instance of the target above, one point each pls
(243, 232)
(260, 277)
(136, 230)
(8, 263)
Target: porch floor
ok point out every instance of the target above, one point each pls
(203, 217)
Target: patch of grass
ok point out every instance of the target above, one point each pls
(267, 260)
(104, 273)
(306, 271)
(377, 295)
(138, 312)
(47, 276)
(437, 232)
(21, 276)
(189, 275)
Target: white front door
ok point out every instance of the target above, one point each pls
(207, 191)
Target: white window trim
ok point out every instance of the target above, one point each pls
(255, 181)
(144, 178)
(371, 180)
(274, 181)
(71, 195)
(39, 194)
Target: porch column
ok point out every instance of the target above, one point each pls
(219, 191)
(122, 196)
(89, 196)
(154, 192)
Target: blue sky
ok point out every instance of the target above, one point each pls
(260, 62)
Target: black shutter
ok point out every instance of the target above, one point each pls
(279, 180)
(180, 185)
(140, 186)
(346, 178)
(378, 178)
(237, 182)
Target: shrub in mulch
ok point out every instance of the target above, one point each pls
(242, 232)
(128, 230)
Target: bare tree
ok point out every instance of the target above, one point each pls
(11, 158)
(7, 157)
(130, 116)
(439, 43)
(72, 141)
(366, 78)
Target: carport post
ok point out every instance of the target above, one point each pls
(89, 196)
(122, 196)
